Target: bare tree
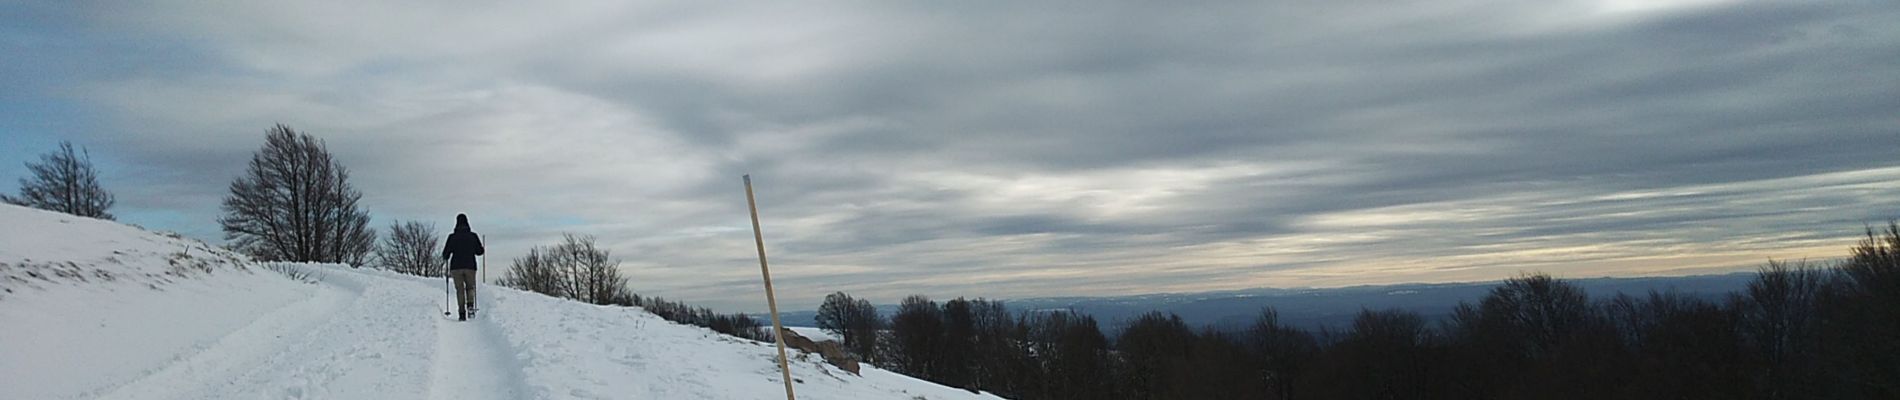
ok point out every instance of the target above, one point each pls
(574, 269)
(916, 338)
(1778, 323)
(410, 249)
(593, 275)
(1386, 354)
(1874, 268)
(1067, 357)
(533, 273)
(1863, 328)
(855, 320)
(295, 203)
(1530, 315)
(1283, 352)
(64, 181)
(996, 342)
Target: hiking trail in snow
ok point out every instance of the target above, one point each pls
(99, 310)
(355, 338)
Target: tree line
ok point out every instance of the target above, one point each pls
(1796, 331)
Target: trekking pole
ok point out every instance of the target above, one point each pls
(474, 291)
(448, 291)
(778, 331)
(474, 287)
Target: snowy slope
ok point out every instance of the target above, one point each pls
(39, 248)
(241, 332)
(89, 303)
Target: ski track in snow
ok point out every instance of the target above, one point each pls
(246, 349)
(473, 362)
(352, 340)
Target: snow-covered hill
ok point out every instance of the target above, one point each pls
(39, 248)
(172, 323)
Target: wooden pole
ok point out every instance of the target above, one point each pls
(778, 330)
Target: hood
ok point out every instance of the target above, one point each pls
(461, 222)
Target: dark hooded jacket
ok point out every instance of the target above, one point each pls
(463, 245)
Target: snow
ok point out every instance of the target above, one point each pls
(234, 330)
(40, 248)
(815, 334)
(78, 338)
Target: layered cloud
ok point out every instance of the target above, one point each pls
(1010, 150)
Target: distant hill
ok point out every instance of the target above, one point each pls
(1333, 308)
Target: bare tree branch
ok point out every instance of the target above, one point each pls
(64, 181)
(295, 203)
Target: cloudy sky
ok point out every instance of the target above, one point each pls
(1010, 149)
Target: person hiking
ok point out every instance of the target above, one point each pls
(462, 247)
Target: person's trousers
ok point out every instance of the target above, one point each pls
(464, 286)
